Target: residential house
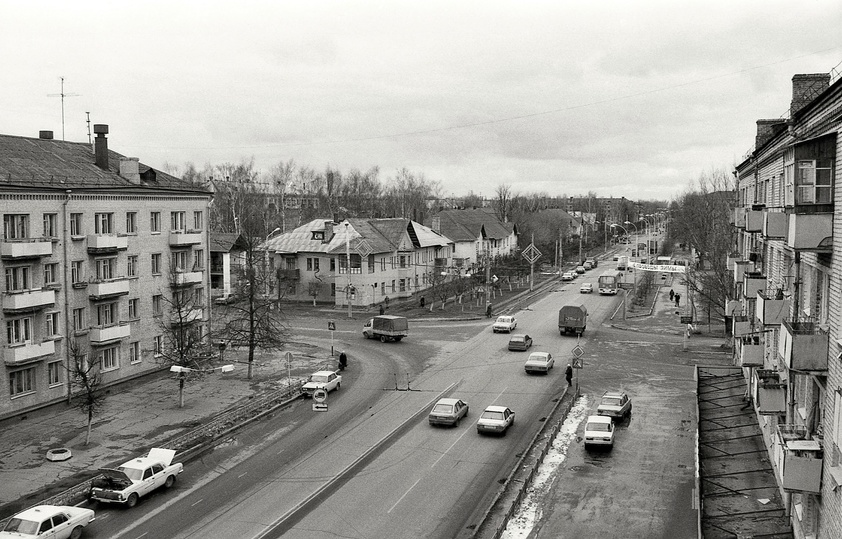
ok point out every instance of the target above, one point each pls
(475, 233)
(227, 256)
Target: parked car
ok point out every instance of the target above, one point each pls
(225, 299)
(327, 380)
(580, 270)
(504, 323)
(539, 362)
(495, 420)
(520, 342)
(599, 430)
(615, 257)
(614, 404)
(587, 265)
(586, 288)
(53, 521)
(137, 477)
(448, 412)
(568, 276)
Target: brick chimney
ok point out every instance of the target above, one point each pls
(805, 88)
(328, 232)
(130, 170)
(766, 129)
(101, 146)
(45, 135)
(436, 225)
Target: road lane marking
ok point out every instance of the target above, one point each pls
(449, 448)
(404, 495)
(242, 475)
(197, 503)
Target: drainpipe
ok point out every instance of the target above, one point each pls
(64, 286)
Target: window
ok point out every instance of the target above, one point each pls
(106, 314)
(333, 265)
(75, 224)
(131, 222)
(76, 273)
(156, 263)
(52, 324)
(80, 322)
(199, 297)
(371, 263)
(17, 278)
(158, 344)
(19, 330)
(15, 226)
(109, 359)
(155, 221)
(179, 260)
(177, 221)
(332, 289)
(22, 382)
(198, 220)
(131, 266)
(157, 305)
(103, 223)
(813, 181)
(105, 268)
(134, 309)
(51, 274)
(393, 285)
(312, 264)
(134, 352)
(54, 369)
(50, 227)
(402, 285)
(198, 259)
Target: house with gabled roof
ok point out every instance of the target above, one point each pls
(475, 233)
(227, 257)
(361, 261)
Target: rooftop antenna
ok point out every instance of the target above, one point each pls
(88, 114)
(63, 95)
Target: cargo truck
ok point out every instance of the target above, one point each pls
(572, 319)
(386, 328)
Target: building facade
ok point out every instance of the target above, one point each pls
(476, 234)
(788, 283)
(95, 247)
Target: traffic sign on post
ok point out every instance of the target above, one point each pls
(331, 325)
(578, 351)
(577, 363)
(320, 395)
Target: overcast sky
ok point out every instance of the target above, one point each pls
(620, 98)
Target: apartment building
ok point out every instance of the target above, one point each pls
(476, 233)
(96, 247)
(788, 280)
(389, 258)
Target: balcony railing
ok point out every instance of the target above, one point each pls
(107, 243)
(741, 267)
(28, 248)
(20, 354)
(28, 300)
(108, 288)
(750, 351)
(771, 308)
(799, 459)
(187, 316)
(741, 326)
(774, 225)
(188, 278)
(100, 335)
(810, 231)
(754, 221)
(803, 345)
(769, 392)
(739, 217)
(188, 237)
(753, 282)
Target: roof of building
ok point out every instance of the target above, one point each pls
(27, 163)
(468, 225)
(225, 242)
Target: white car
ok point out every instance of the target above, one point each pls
(599, 430)
(586, 288)
(539, 362)
(504, 324)
(568, 276)
(53, 521)
(616, 404)
(495, 420)
(327, 380)
(137, 477)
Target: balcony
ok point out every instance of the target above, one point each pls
(183, 238)
(289, 275)
(100, 335)
(29, 248)
(810, 231)
(107, 243)
(803, 346)
(188, 278)
(754, 220)
(108, 288)
(774, 225)
(741, 326)
(769, 392)
(753, 282)
(28, 300)
(188, 316)
(741, 267)
(739, 220)
(750, 351)
(771, 308)
(799, 460)
(24, 353)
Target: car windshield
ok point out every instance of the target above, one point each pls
(134, 474)
(517, 339)
(443, 408)
(599, 427)
(540, 359)
(26, 527)
(611, 401)
(321, 378)
(504, 319)
(492, 415)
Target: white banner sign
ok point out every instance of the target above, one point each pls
(665, 268)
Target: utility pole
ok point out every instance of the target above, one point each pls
(348, 262)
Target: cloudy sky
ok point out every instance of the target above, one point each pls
(631, 98)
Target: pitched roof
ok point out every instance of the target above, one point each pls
(27, 163)
(468, 225)
(225, 242)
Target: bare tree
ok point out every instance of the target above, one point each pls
(86, 376)
(503, 202)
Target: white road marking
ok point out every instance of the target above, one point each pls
(197, 503)
(404, 495)
(242, 475)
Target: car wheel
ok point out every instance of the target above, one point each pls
(132, 501)
(382, 338)
(76, 533)
(170, 481)
(338, 385)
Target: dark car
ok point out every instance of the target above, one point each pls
(520, 342)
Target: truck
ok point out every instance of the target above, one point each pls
(137, 477)
(572, 319)
(386, 328)
(592, 260)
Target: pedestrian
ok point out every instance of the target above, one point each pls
(381, 309)
(678, 300)
(568, 375)
(488, 311)
(672, 295)
(343, 360)
(423, 301)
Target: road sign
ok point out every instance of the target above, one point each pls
(319, 407)
(331, 325)
(578, 351)
(320, 395)
(288, 357)
(531, 254)
(577, 363)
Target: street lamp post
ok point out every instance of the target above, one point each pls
(636, 239)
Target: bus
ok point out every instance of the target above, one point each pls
(609, 282)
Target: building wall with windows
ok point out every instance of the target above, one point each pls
(91, 264)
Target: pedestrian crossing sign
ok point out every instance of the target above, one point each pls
(577, 363)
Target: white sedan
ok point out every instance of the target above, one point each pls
(327, 380)
(539, 362)
(495, 420)
(504, 324)
(54, 521)
(599, 430)
(586, 288)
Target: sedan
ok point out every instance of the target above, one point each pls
(54, 521)
(327, 380)
(495, 420)
(614, 404)
(520, 342)
(599, 430)
(504, 323)
(448, 412)
(586, 288)
(580, 269)
(539, 362)
(568, 276)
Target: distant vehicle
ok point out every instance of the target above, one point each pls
(53, 521)
(616, 257)
(572, 319)
(586, 288)
(137, 477)
(580, 269)
(568, 276)
(448, 412)
(495, 420)
(609, 282)
(386, 328)
(615, 404)
(225, 299)
(592, 259)
(504, 323)
(587, 265)
(622, 263)
(327, 380)
(539, 362)
(520, 342)
(599, 430)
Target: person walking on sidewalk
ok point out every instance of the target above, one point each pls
(678, 300)
(568, 375)
(672, 294)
